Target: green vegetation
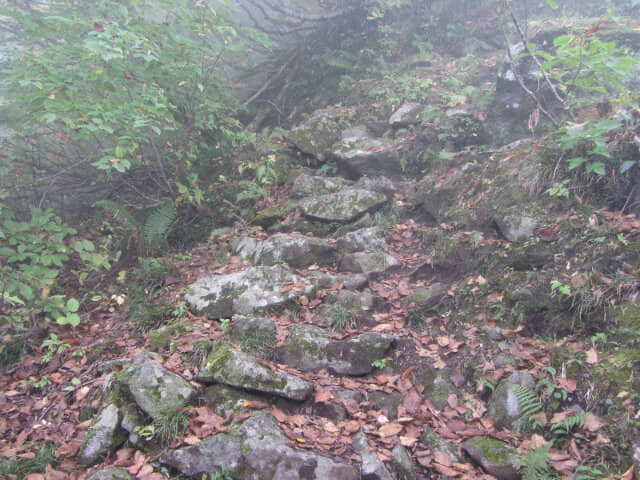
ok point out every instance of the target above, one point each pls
(20, 468)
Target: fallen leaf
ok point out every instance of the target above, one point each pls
(443, 458)
(323, 396)
(592, 423)
(390, 429)
(592, 356)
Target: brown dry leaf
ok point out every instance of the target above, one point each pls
(592, 356)
(567, 383)
(390, 429)
(443, 458)
(255, 404)
(593, 423)
(565, 466)
(323, 396)
(408, 442)
(81, 393)
(191, 440)
(629, 474)
(35, 476)
(352, 426)
(279, 414)
(446, 471)
(560, 416)
(412, 401)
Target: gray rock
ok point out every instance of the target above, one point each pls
(407, 114)
(402, 464)
(111, 473)
(310, 185)
(429, 297)
(258, 451)
(371, 238)
(436, 443)
(437, 384)
(368, 262)
(354, 281)
(516, 228)
(310, 348)
(377, 184)
(343, 206)
(226, 400)
(257, 336)
(237, 369)
(495, 457)
(155, 389)
(103, 436)
(297, 251)
(503, 407)
(356, 132)
(387, 401)
(318, 133)
(356, 157)
(245, 292)
(372, 467)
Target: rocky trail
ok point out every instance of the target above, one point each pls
(379, 318)
(353, 334)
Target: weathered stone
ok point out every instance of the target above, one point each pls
(111, 473)
(103, 436)
(437, 384)
(155, 389)
(245, 292)
(516, 228)
(355, 355)
(237, 369)
(401, 463)
(353, 281)
(429, 297)
(272, 215)
(356, 157)
(318, 133)
(343, 206)
(371, 238)
(504, 408)
(368, 262)
(495, 457)
(372, 467)
(258, 451)
(408, 114)
(226, 400)
(297, 251)
(257, 336)
(310, 185)
(377, 184)
(355, 132)
(436, 443)
(388, 402)
(310, 348)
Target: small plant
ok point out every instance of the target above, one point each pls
(567, 427)
(53, 345)
(342, 318)
(560, 287)
(169, 425)
(530, 407)
(416, 319)
(21, 467)
(180, 310)
(536, 464)
(147, 432)
(225, 325)
(222, 474)
(381, 362)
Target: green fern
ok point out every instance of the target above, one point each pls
(530, 406)
(151, 236)
(536, 464)
(157, 227)
(568, 426)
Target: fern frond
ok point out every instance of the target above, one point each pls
(158, 225)
(120, 214)
(536, 464)
(569, 424)
(529, 403)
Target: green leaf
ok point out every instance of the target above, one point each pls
(576, 162)
(73, 305)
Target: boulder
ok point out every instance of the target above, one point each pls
(322, 280)
(495, 457)
(310, 185)
(436, 443)
(429, 297)
(297, 251)
(372, 467)
(377, 184)
(310, 348)
(155, 389)
(237, 369)
(317, 134)
(402, 464)
(111, 473)
(245, 292)
(257, 451)
(504, 408)
(516, 228)
(342, 207)
(356, 157)
(408, 114)
(103, 436)
(437, 384)
(257, 336)
(226, 400)
(370, 238)
(368, 262)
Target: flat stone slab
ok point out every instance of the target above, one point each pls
(318, 133)
(342, 207)
(245, 292)
(297, 251)
(237, 369)
(310, 348)
(155, 389)
(368, 262)
(356, 157)
(310, 185)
